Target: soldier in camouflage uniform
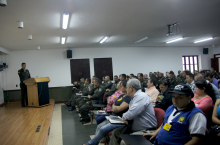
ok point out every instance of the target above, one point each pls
(145, 80)
(140, 78)
(178, 74)
(84, 92)
(23, 75)
(80, 101)
(108, 83)
(215, 74)
(173, 80)
(81, 84)
(159, 80)
(111, 91)
(182, 79)
(167, 75)
(96, 98)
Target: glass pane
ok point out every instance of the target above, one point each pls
(183, 60)
(191, 60)
(187, 60)
(195, 59)
(183, 67)
(191, 68)
(187, 67)
(196, 67)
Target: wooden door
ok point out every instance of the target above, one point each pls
(214, 64)
(80, 68)
(103, 67)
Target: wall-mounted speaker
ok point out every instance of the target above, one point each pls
(69, 53)
(205, 50)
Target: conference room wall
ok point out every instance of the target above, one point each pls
(216, 50)
(54, 63)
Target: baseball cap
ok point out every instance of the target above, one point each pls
(183, 89)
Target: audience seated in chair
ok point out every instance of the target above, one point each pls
(165, 98)
(190, 81)
(84, 92)
(141, 111)
(183, 123)
(211, 79)
(108, 83)
(199, 76)
(111, 91)
(110, 101)
(96, 98)
(152, 91)
(119, 107)
(204, 96)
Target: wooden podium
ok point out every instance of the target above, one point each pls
(37, 91)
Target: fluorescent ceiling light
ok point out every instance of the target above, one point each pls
(141, 39)
(65, 20)
(203, 40)
(104, 39)
(175, 40)
(63, 40)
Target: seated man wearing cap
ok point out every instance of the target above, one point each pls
(183, 122)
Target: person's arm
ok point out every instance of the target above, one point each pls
(108, 85)
(166, 102)
(194, 141)
(214, 114)
(205, 104)
(113, 99)
(98, 95)
(120, 108)
(197, 128)
(153, 134)
(29, 74)
(136, 108)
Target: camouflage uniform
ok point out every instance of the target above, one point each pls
(181, 80)
(173, 82)
(107, 85)
(143, 85)
(85, 92)
(146, 81)
(96, 98)
(113, 89)
(159, 80)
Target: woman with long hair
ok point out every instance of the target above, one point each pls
(204, 96)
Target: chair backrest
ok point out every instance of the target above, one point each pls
(159, 113)
(104, 98)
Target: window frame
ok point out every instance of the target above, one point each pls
(190, 63)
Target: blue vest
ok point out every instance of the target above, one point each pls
(179, 132)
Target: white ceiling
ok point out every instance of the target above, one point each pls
(125, 21)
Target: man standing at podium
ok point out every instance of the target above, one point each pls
(23, 75)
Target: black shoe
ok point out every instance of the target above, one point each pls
(86, 121)
(67, 104)
(23, 106)
(72, 108)
(82, 120)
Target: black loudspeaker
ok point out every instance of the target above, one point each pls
(205, 50)
(69, 53)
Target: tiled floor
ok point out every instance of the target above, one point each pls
(55, 137)
(67, 130)
(74, 132)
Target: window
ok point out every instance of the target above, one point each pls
(190, 63)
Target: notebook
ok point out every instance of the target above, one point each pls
(115, 119)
